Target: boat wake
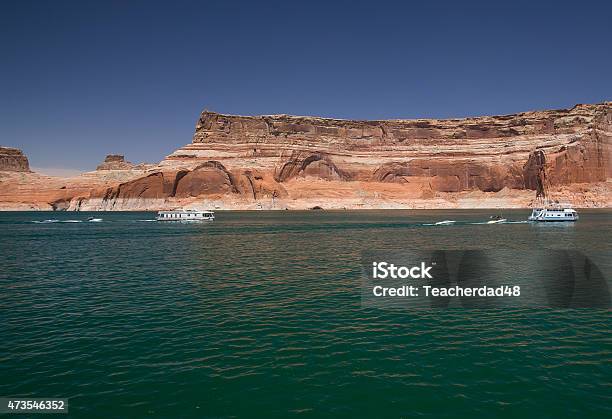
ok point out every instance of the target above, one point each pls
(441, 223)
(52, 221)
(490, 222)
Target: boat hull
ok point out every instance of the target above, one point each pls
(186, 220)
(553, 221)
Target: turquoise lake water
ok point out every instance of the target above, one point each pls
(260, 314)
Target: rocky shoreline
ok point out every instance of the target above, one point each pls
(289, 162)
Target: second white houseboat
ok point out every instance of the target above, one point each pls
(554, 213)
(185, 215)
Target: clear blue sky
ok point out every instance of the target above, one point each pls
(82, 79)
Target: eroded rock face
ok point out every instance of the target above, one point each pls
(282, 161)
(317, 165)
(485, 153)
(208, 178)
(13, 160)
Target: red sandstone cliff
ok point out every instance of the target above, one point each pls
(281, 161)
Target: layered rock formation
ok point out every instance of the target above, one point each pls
(281, 161)
(13, 160)
(25, 190)
(409, 161)
(485, 153)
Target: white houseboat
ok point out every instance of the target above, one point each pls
(554, 213)
(185, 215)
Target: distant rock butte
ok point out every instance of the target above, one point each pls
(282, 161)
(115, 162)
(118, 162)
(13, 160)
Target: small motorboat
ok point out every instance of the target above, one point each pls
(445, 223)
(94, 220)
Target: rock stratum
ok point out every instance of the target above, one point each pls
(292, 162)
(13, 160)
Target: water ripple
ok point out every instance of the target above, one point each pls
(260, 312)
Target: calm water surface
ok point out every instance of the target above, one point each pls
(260, 312)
